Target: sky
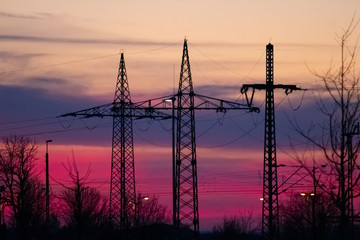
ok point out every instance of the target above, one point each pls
(62, 56)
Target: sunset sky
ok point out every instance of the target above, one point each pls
(62, 56)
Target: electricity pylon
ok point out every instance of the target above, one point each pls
(185, 191)
(187, 210)
(185, 194)
(270, 204)
(122, 185)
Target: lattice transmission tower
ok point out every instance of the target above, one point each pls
(122, 186)
(187, 211)
(123, 112)
(270, 207)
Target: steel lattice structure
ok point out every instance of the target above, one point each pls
(123, 112)
(270, 207)
(122, 186)
(270, 216)
(187, 210)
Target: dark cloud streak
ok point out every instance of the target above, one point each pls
(35, 16)
(136, 42)
(26, 38)
(17, 15)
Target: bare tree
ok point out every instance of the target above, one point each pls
(305, 216)
(22, 188)
(340, 106)
(85, 210)
(150, 211)
(240, 226)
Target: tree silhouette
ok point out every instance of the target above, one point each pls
(23, 190)
(305, 216)
(235, 227)
(85, 210)
(149, 211)
(340, 105)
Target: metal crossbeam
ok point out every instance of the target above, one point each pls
(270, 207)
(201, 102)
(124, 111)
(112, 110)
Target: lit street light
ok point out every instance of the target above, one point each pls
(172, 100)
(138, 205)
(313, 195)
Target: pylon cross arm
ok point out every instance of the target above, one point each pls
(114, 110)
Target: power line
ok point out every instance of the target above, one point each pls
(87, 59)
(59, 64)
(229, 70)
(62, 131)
(25, 121)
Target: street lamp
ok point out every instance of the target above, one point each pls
(47, 182)
(312, 196)
(138, 205)
(172, 100)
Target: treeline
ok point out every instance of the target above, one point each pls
(78, 211)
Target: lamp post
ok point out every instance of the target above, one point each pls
(47, 181)
(173, 160)
(312, 197)
(172, 100)
(138, 205)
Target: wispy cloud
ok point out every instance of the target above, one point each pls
(137, 42)
(26, 38)
(38, 81)
(25, 16)
(8, 54)
(10, 59)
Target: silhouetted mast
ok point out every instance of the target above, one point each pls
(270, 207)
(187, 210)
(122, 188)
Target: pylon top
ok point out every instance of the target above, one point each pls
(269, 46)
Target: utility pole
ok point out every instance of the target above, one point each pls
(270, 208)
(314, 198)
(173, 167)
(350, 193)
(313, 226)
(47, 190)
